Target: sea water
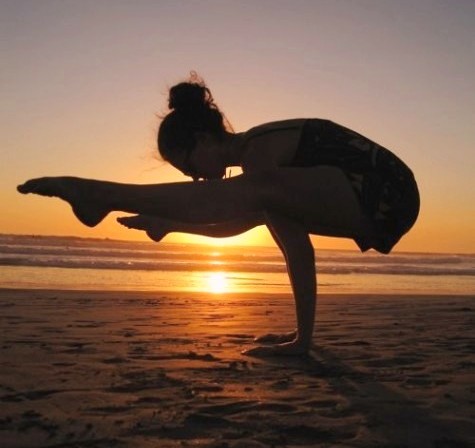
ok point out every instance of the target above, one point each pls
(39, 262)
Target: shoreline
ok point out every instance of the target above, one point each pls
(97, 293)
(147, 369)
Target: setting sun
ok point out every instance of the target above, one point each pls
(217, 282)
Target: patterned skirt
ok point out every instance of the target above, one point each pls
(383, 183)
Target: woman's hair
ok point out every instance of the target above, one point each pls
(192, 110)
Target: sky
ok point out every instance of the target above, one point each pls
(83, 83)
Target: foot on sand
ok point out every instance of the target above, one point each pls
(275, 338)
(293, 348)
(152, 225)
(79, 193)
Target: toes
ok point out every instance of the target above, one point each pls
(27, 187)
(128, 221)
(42, 186)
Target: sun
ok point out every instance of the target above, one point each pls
(217, 282)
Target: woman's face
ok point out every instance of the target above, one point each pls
(204, 161)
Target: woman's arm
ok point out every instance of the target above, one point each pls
(294, 242)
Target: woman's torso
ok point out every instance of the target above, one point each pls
(272, 144)
(305, 142)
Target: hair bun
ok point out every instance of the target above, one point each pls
(187, 97)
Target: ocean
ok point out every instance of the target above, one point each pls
(38, 262)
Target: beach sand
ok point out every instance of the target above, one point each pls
(111, 369)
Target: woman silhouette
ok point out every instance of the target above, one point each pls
(300, 177)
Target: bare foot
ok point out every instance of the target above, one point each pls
(293, 348)
(275, 338)
(151, 225)
(79, 193)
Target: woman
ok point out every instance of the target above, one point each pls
(300, 177)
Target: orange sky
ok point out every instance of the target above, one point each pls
(81, 84)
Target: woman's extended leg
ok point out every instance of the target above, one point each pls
(319, 198)
(193, 202)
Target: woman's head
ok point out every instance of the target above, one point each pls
(193, 115)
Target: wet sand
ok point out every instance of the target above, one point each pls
(111, 369)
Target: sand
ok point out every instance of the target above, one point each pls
(111, 369)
